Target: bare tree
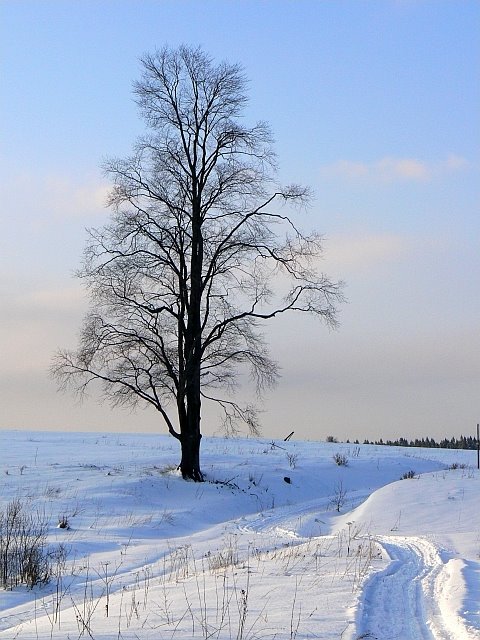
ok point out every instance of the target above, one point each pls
(181, 278)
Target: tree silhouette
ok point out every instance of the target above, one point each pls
(194, 257)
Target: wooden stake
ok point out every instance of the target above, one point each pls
(478, 446)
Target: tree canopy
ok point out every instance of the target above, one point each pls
(200, 250)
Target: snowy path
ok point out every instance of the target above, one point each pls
(409, 599)
(301, 521)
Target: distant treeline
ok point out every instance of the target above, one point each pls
(464, 442)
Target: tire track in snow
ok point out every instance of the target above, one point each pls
(287, 520)
(283, 520)
(402, 601)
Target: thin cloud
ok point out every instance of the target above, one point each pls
(68, 298)
(75, 199)
(38, 322)
(390, 169)
(454, 163)
(359, 252)
(54, 196)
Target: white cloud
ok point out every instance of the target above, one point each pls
(67, 298)
(455, 163)
(53, 196)
(355, 252)
(390, 169)
(38, 322)
(72, 199)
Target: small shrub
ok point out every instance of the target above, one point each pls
(339, 496)
(228, 557)
(24, 557)
(408, 475)
(63, 522)
(457, 465)
(52, 492)
(167, 517)
(254, 480)
(292, 459)
(340, 460)
(331, 439)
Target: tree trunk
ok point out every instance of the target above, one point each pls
(190, 464)
(191, 435)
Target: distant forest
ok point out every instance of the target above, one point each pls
(464, 442)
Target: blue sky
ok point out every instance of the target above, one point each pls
(374, 104)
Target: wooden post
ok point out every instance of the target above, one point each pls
(478, 446)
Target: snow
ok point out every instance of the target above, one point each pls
(337, 552)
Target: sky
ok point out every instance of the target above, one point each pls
(374, 104)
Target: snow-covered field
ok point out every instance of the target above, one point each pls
(280, 542)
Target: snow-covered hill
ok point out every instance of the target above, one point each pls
(280, 542)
